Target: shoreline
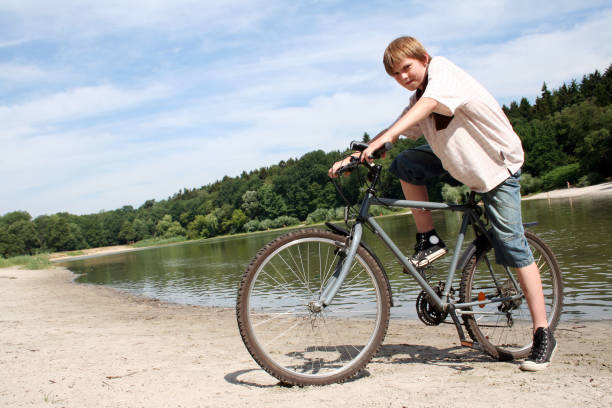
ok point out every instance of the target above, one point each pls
(78, 345)
(602, 189)
(599, 190)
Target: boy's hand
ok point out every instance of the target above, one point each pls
(332, 172)
(374, 146)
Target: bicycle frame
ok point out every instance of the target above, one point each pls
(471, 215)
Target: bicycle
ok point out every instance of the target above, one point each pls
(313, 305)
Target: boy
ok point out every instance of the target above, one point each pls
(469, 137)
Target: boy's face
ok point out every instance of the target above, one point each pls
(410, 73)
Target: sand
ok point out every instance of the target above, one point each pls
(64, 344)
(598, 190)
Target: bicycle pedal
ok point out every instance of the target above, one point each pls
(471, 344)
(421, 270)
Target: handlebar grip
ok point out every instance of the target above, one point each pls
(361, 146)
(358, 146)
(385, 148)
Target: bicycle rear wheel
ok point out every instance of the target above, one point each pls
(504, 330)
(281, 324)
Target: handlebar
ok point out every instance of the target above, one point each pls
(360, 147)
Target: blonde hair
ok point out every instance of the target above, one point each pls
(403, 47)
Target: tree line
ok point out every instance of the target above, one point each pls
(565, 134)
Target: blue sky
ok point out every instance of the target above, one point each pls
(105, 104)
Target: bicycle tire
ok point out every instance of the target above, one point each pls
(281, 331)
(507, 334)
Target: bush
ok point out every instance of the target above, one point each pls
(159, 241)
(266, 224)
(339, 213)
(377, 210)
(284, 221)
(530, 184)
(251, 226)
(583, 182)
(320, 215)
(454, 194)
(558, 177)
(589, 180)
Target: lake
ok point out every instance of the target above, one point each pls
(207, 272)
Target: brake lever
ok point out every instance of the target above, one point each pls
(354, 162)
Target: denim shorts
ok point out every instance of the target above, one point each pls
(502, 204)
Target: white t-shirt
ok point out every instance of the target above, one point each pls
(478, 146)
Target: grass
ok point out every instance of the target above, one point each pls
(158, 241)
(27, 261)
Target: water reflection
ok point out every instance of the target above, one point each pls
(207, 273)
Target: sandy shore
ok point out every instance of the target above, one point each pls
(61, 256)
(72, 345)
(592, 191)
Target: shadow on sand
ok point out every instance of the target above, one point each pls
(455, 358)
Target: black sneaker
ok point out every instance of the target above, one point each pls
(542, 350)
(428, 248)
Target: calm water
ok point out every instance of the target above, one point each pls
(207, 273)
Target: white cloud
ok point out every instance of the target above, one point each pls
(92, 18)
(520, 66)
(16, 72)
(74, 104)
(113, 104)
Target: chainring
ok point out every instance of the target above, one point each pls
(427, 311)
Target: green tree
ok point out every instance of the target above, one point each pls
(127, 233)
(250, 204)
(596, 152)
(525, 110)
(61, 234)
(18, 234)
(544, 104)
(143, 228)
(272, 205)
(543, 152)
(167, 228)
(12, 217)
(211, 222)
(197, 228)
(238, 220)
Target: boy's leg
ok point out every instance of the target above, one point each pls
(422, 218)
(531, 284)
(503, 208)
(544, 343)
(414, 167)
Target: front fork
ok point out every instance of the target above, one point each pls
(342, 270)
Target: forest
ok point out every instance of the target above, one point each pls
(565, 135)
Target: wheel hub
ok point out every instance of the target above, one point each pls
(315, 306)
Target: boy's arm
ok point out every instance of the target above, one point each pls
(419, 111)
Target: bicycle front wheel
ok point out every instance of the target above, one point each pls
(285, 330)
(505, 330)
